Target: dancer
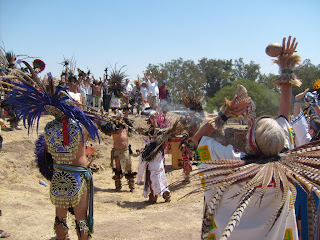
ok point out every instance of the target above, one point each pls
(152, 160)
(191, 123)
(120, 155)
(255, 188)
(60, 150)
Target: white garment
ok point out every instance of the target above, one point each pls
(88, 89)
(145, 93)
(75, 96)
(153, 88)
(253, 222)
(128, 89)
(157, 175)
(114, 102)
(282, 121)
(300, 128)
(83, 92)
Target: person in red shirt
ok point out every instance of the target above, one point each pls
(164, 97)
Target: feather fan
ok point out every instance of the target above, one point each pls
(299, 166)
(116, 82)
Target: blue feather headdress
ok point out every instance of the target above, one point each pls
(32, 100)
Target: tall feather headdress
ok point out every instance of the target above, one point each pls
(116, 81)
(31, 99)
(160, 138)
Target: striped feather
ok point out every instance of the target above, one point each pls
(237, 214)
(267, 178)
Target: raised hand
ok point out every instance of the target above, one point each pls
(302, 94)
(289, 48)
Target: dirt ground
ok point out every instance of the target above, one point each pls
(27, 212)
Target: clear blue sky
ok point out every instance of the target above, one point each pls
(100, 33)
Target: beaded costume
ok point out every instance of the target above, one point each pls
(62, 138)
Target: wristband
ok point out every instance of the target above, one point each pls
(286, 71)
(297, 100)
(222, 116)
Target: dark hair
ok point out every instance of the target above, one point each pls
(315, 126)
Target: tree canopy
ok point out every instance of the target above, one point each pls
(265, 99)
(216, 78)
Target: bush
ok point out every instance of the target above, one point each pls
(266, 100)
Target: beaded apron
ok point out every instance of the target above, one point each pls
(54, 139)
(67, 187)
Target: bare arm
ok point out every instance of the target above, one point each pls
(145, 76)
(158, 76)
(297, 102)
(205, 130)
(286, 88)
(285, 100)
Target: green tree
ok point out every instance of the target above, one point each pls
(307, 73)
(181, 74)
(249, 71)
(268, 81)
(218, 73)
(265, 99)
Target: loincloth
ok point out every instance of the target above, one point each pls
(124, 157)
(68, 185)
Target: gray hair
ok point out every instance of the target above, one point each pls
(269, 137)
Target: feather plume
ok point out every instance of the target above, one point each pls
(150, 151)
(116, 82)
(43, 159)
(236, 216)
(299, 166)
(31, 102)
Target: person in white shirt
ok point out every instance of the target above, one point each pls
(153, 90)
(88, 88)
(125, 99)
(128, 88)
(145, 94)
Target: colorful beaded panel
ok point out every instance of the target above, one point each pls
(67, 188)
(51, 110)
(54, 139)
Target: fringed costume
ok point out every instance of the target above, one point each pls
(155, 180)
(60, 151)
(191, 122)
(152, 161)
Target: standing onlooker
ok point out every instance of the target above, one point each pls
(83, 92)
(125, 98)
(153, 90)
(128, 88)
(145, 94)
(88, 87)
(133, 99)
(138, 99)
(164, 97)
(106, 95)
(96, 92)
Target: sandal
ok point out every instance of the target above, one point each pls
(4, 234)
